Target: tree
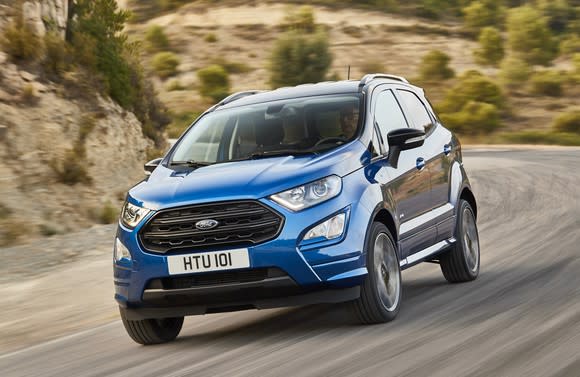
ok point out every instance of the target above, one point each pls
(435, 66)
(490, 51)
(529, 36)
(482, 13)
(300, 58)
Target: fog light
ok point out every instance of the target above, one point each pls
(120, 251)
(330, 229)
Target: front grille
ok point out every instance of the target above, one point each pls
(242, 223)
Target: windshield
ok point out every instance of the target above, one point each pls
(301, 125)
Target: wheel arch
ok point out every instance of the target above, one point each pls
(468, 196)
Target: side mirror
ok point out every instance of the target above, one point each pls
(151, 165)
(406, 138)
(402, 139)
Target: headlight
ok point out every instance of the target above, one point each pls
(330, 229)
(121, 251)
(310, 194)
(132, 215)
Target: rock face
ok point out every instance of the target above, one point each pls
(46, 14)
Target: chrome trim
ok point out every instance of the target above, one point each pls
(408, 226)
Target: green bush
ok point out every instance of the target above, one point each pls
(559, 13)
(210, 38)
(232, 67)
(472, 86)
(156, 38)
(73, 169)
(56, 58)
(214, 82)
(570, 45)
(174, 85)
(300, 58)
(473, 119)
(547, 83)
(179, 122)
(435, 66)
(514, 73)
(567, 122)
(108, 214)
(482, 13)
(20, 41)
(490, 51)
(529, 36)
(165, 64)
(301, 19)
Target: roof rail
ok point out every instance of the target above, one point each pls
(236, 96)
(371, 76)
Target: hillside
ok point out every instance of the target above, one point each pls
(243, 37)
(68, 152)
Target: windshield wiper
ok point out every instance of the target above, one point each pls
(283, 152)
(191, 163)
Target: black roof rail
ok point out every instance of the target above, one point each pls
(371, 76)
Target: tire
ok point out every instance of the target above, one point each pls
(381, 293)
(461, 263)
(152, 331)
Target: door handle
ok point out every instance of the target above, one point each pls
(420, 163)
(447, 149)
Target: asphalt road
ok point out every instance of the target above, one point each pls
(521, 317)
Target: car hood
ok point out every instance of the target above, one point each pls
(252, 179)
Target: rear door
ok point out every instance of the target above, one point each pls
(409, 181)
(437, 148)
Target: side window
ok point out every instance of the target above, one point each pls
(375, 145)
(417, 112)
(388, 114)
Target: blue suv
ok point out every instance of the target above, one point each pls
(319, 193)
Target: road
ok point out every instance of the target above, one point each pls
(521, 317)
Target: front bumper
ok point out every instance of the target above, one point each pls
(321, 272)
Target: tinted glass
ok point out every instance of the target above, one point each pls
(417, 113)
(388, 114)
(302, 124)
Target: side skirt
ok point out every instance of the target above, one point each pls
(427, 253)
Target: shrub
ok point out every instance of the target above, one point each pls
(481, 13)
(570, 45)
(474, 118)
(56, 58)
(29, 95)
(156, 38)
(300, 58)
(210, 38)
(174, 85)
(567, 122)
(301, 19)
(547, 83)
(558, 14)
(529, 36)
(472, 86)
(214, 82)
(514, 73)
(165, 64)
(232, 67)
(20, 41)
(108, 214)
(180, 121)
(435, 66)
(73, 169)
(490, 51)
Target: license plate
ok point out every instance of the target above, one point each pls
(210, 261)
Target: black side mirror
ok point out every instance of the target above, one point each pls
(406, 138)
(151, 165)
(402, 139)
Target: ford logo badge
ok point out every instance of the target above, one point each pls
(206, 224)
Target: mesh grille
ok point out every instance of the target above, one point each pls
(241, 223)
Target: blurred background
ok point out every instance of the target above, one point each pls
(91, 90)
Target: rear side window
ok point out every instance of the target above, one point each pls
(417, 113)
(388, 114)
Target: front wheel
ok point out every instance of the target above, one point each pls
(152, 331)
(461, 263)
(381, 292)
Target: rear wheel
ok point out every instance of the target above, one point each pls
(461, 263)
(152, 331)
(380, 297)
